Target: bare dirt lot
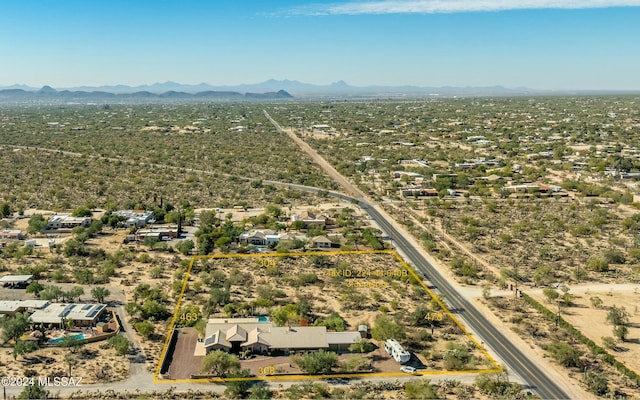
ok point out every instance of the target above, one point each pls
(542, 333)
(592, 321)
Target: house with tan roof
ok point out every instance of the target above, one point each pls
(237, 334)
(260, 237)
(292, 236)
(314, 220)
(320, 242)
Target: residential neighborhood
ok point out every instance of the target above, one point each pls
(274, 267)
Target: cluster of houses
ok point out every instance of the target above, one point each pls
(415, 185)
(477, 163)
(144, 221)
(61, 222)
(131, 218)
(527, 188)
(310, 220)
(269, 237)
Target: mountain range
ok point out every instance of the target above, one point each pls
(270, 89)
(128, 94)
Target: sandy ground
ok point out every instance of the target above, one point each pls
(592, 321)
(536, 354)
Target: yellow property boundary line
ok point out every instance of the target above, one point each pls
(163, 353)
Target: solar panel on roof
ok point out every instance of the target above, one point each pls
(93, 313)
(87, 306)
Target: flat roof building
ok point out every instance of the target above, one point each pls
(136, 217)
(20, 281)
(12, 307)
(67, 222)
(11, 234)
(81, 314)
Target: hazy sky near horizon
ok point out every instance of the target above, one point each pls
(540, 44)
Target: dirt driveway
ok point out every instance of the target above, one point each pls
(184, 363)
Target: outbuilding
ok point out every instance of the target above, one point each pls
(16, 281)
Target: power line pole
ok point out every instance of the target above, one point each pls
(515, 293)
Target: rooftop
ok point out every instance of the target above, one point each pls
(54, 312)
(249, 332)
(15, 278)
(13, 306)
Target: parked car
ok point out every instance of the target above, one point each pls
(408, 369)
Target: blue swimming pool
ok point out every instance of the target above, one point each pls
(77, 336)
(263, 319)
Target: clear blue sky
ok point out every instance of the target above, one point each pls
(565, 44)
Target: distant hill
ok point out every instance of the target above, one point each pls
(49, 94)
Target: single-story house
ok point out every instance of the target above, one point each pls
(321, 242)
(12, 307)
(414, 162)
(236, 334)
(158, 232)
(86, 314)
(11, 234)
(259, 237)
(491, 178)
(532, 188)
(400, 174)
(292, 236)
(67, 222)
(136, 218)
(420, 192)
(313, 220)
